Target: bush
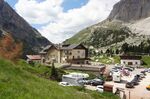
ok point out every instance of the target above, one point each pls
(9, 48)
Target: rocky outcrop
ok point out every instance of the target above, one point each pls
(130, 10)
(12, 23)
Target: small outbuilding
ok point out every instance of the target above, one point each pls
(131, 60)
(33, 59)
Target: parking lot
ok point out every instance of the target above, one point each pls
(138, 92)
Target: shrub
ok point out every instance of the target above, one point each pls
(9, 49)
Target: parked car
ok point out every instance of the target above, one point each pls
(96, 82)
(143, 72)
(146, 70)
(129, 85)
(100, 88)
(129, 69)
(86, 82)
(64, 84)
(137, 77)
(133, 68)
(135, 81)
(148, 87)
(149, 70)
(114, 70)
(142, 75)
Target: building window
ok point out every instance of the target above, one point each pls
(124, 62)
(78, 56)
(130, 63)
(73, 57)
(136, 63)
(66, 52)
(70, 53)
(78, 51)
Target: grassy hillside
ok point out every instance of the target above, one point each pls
(79, 37)
(146, 60)
(25, 82)
(101, 35)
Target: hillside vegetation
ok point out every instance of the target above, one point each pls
(23, 81)
(146, 61)
(133, 14)
(102, 35)
(106, 36)
(80, 37)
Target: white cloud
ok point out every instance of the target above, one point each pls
(39, 12)
(62, 25)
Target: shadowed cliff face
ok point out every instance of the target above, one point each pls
(130, 10)
(11, 22)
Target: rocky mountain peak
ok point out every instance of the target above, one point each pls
(130, 10)
(1, 1)
(126, 19)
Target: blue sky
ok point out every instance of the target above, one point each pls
(58, 20)
(11, 2)
(69, 4)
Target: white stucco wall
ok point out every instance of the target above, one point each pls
(53, 54)
(134, 62)
(77, 53)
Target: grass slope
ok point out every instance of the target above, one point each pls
(80, 37)
(146, 61)
(21, 82)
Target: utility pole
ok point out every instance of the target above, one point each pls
(129, 94)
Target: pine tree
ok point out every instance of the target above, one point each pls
(107, 51)
(54, 73)
(117, 51)
(125, 47)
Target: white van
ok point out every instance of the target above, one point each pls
(116, 76)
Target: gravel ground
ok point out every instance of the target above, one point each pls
(140, 91)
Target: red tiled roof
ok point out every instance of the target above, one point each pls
(34, 57)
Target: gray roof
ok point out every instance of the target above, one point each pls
(72, 46)
(59, 47)
(47, 47)
(44, 51)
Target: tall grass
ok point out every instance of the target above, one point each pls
(21, 82)
(146, 61)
